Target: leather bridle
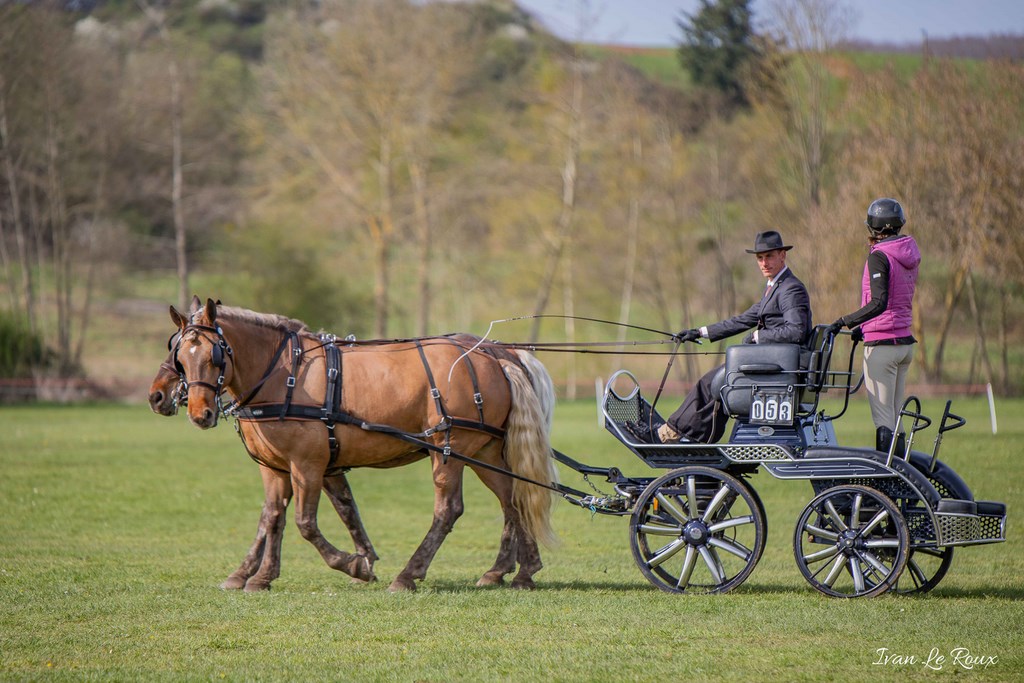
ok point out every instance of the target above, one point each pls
(220, 354)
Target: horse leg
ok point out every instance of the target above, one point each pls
(308, 485)
(516, 544)
(505, 562)
(501, 486)
(529, 557)
(448, 507)
(264, 556)
(337, 489)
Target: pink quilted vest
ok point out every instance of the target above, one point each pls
(904, 259)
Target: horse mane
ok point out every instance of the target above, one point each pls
(269, 320)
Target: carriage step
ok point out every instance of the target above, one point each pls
(991, 508)
(968, 522)
(953, 506)
(992, 520)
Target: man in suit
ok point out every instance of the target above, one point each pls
(782, 316)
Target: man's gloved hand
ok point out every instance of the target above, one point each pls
(749, 339)
(834, 328)
(686, 336)
(858, 334)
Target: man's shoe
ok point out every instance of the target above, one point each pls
(666, 434)
(640, 431)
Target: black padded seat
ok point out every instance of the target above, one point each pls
(905, 469)
(774, 366)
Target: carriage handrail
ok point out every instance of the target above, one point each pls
(830, 375)
(946, 416)
(943, 428)
(920, 422)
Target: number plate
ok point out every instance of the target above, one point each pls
(772, 407)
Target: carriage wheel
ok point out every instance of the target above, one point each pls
(851, 541)
(925, 568)
(697, 530)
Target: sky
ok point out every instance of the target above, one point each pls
(653, 22)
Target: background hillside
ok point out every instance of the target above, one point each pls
(392, 169)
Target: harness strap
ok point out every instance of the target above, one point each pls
(296, 357)
(434, 392)
(445, 422)
(331, 414)
(446, 452)
(478, 398)
(273, 411)
(266, 374)
(332, 399)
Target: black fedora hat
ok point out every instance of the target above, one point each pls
(769, 240)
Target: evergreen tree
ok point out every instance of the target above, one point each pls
(718, 42)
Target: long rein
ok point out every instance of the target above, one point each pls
(237, 407)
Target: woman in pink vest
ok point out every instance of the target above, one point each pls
(887, 293)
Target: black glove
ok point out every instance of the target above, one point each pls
(749, 339)
(686, 336)
(858, 334)
(834, 328)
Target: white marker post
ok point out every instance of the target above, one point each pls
(992, 408)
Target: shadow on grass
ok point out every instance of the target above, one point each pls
(750, 587)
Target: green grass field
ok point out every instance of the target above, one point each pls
(120, 525)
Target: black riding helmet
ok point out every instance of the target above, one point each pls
(885, 217)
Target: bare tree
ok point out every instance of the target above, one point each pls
(810, 29)
(559, 236)
(358, 89)
(176, 109)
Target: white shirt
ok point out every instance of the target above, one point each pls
(772, 281)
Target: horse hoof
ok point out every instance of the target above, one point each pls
(491, 580)
(524, 584)
(233, 583)
(372, 578)
(400, 585)
(256, 586)
(361, 569)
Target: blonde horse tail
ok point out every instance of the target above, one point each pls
(542, 385)
(528, 454)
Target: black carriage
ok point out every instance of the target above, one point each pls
(877, 521)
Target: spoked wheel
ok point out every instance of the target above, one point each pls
(925, 568)
(697, 530)
(851, 542)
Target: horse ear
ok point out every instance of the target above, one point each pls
(211, 310)
(178, 319)
(196, 304)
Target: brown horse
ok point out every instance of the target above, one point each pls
(262, 563)
(399, 402)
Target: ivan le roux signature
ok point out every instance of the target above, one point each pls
(958, 656)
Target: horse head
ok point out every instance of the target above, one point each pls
(167, 391)
(202, 357)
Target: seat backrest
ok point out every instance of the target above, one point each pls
(749, 367)
(815, 358)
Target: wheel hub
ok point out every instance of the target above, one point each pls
(696, 533)
(848, 541)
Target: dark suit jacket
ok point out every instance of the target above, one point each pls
(783, 316)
